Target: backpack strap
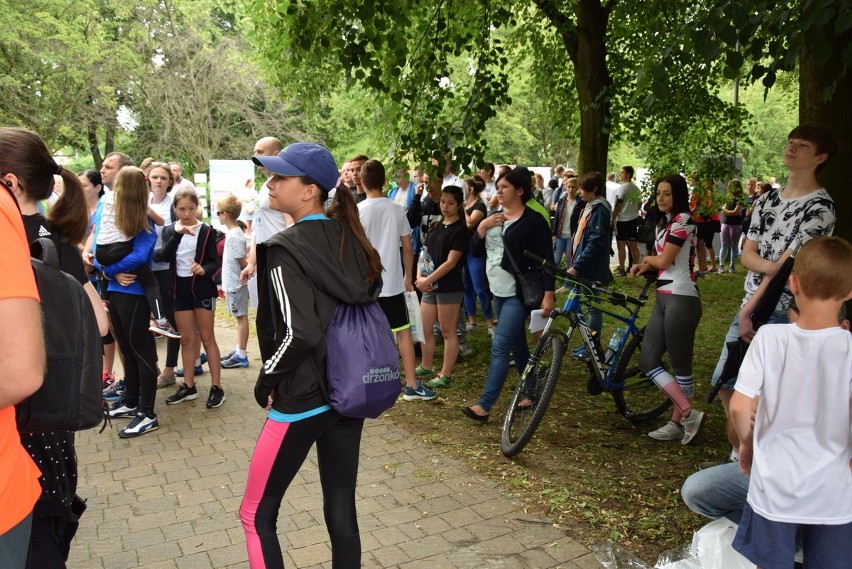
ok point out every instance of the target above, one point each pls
(45, 250)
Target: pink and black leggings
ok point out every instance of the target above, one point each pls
(281, 449)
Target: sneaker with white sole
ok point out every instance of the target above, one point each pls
(691, 426)
(163, 328)
(216, 398)
(439, 381)
(183, 393)
(140, 425)
(119, 410)
(671, 431)
(199, 370)
(228, 355)
(115, 391)
(421, 393)
(235, 361)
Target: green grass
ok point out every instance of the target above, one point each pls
(587, 468)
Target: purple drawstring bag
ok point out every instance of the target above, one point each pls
(362, 361)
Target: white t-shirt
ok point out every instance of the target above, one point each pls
(778, 224)
(612, 192)
(184, 184)
(679, 277)
(452, 180)
(108, 231)
(267, 221)
(385, 223)
(401, 196)
(235, 249)
(489, 191)
(630, 196)
(164, 210)
(802, 437)
(185, 255)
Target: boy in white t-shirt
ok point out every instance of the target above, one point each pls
(236, 293)
(798, 453)
(387, 229)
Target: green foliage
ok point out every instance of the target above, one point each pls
(758, 39)
(434, 68)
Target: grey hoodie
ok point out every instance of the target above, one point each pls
(303, 273)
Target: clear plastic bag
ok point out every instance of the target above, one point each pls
(613, 556)
(679, 558)
(414, 317)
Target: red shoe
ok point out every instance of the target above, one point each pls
(108, 379)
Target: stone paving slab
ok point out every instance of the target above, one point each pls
(169, 499)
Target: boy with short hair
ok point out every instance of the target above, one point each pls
(782, 221)
(388, 230)
(798, 451)
(236, 293)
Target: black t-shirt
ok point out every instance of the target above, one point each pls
(733, 219)
(477, 206)
(440, 241)
(70, 259)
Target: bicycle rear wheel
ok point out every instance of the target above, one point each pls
(537, 385)
(640, 399)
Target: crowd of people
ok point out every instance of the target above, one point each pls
(321, 235)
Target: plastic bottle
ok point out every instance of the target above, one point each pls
(614, 342)
(427, 265)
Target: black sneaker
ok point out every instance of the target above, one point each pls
(182, 394)
(216, 398)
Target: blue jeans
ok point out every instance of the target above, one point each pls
(475, 287)
(717, 492)
(510, 339)
(562, 248)
(778, 317)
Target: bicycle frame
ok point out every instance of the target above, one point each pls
(603, 370)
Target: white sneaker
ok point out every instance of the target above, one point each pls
(671, 431)
(691, 426)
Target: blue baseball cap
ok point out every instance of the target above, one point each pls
(303, 159)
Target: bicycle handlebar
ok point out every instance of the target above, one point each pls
(616, 297)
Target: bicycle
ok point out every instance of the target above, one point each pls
(636, 397)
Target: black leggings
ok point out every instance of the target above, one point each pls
(129, 314)
(110, 253)
(281, 449)
(164, 278)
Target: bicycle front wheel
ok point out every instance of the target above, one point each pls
(639, 399)
(536, 386)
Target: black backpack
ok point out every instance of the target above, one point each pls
(71, 397)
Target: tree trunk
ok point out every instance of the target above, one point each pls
(593, 85)
(835, 113)
(94, 147)
(585, 46)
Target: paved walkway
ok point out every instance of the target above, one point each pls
(170, 498)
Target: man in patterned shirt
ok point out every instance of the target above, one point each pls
(782, 221)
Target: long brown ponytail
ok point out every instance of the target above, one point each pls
(344, 210)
